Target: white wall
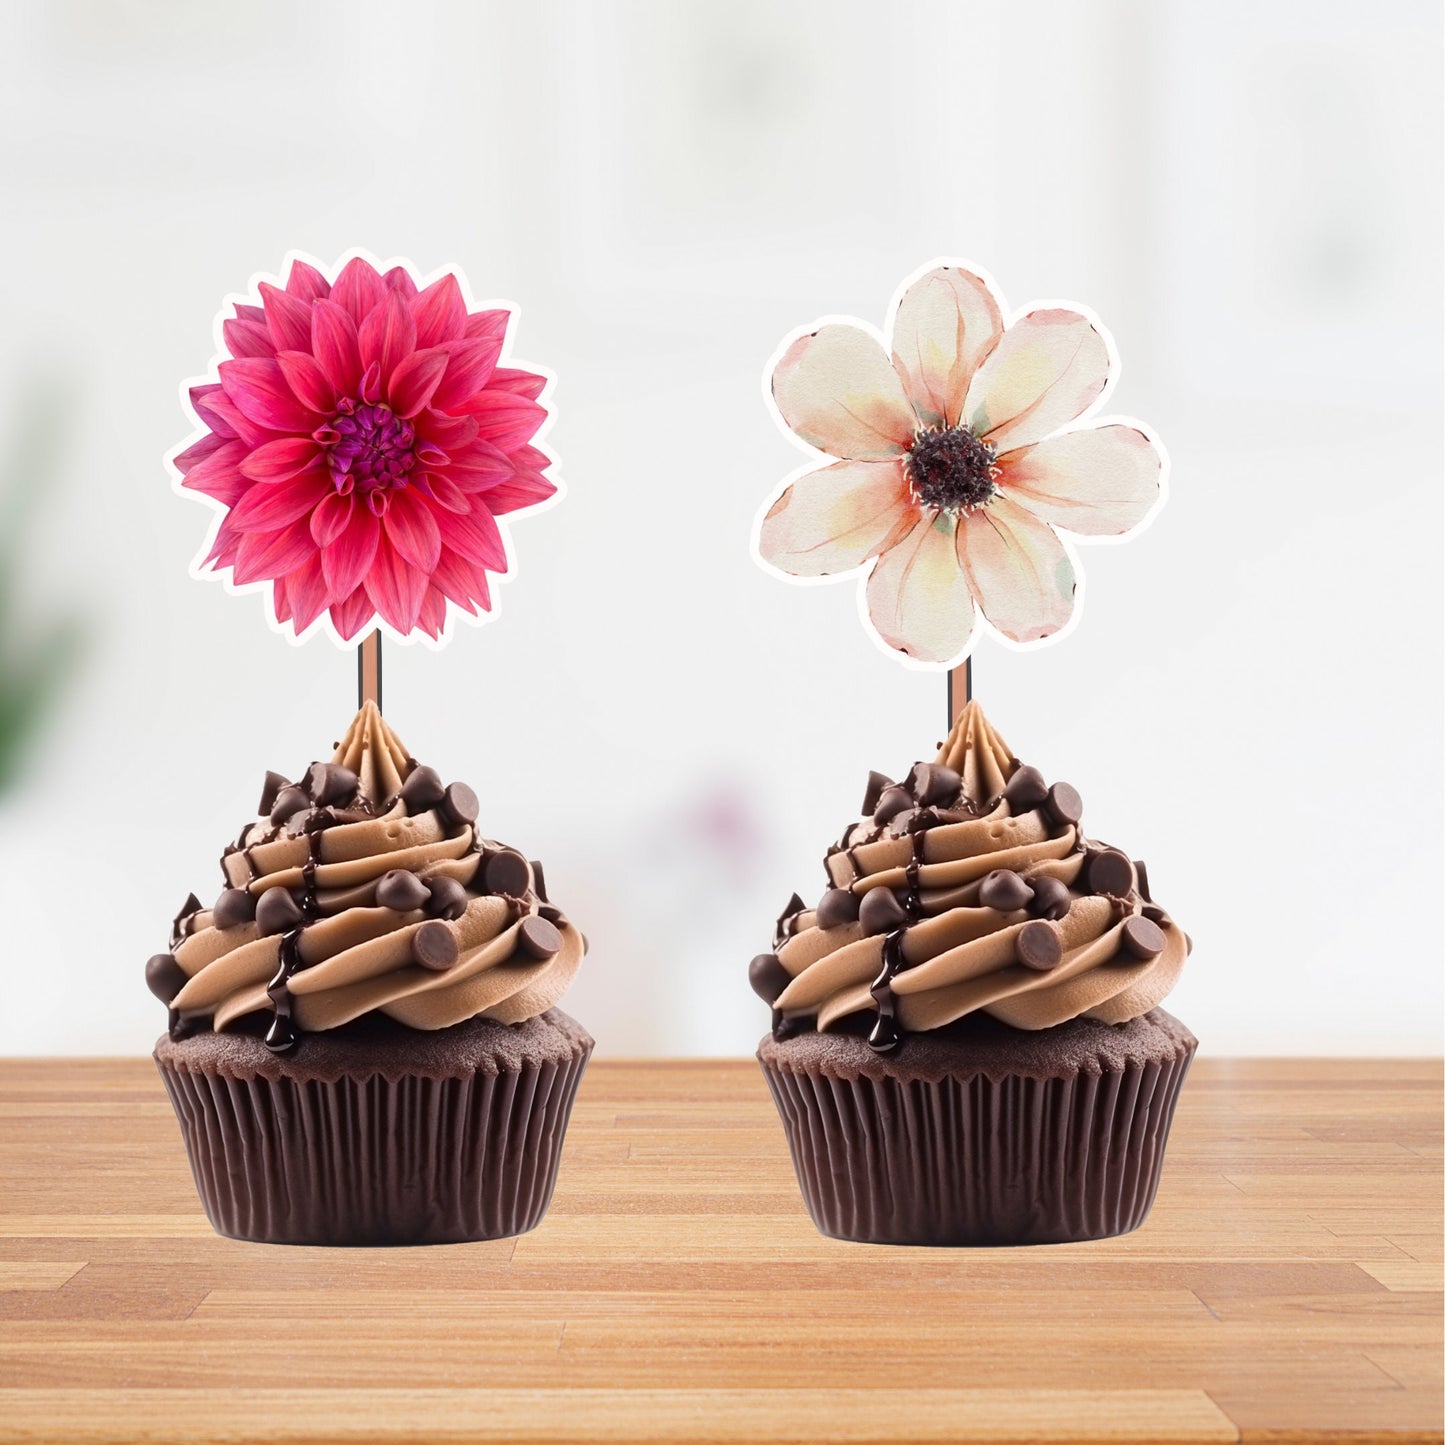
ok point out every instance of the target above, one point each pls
(1248, 193)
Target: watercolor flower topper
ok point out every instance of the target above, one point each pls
(958, 447)
(362, 439)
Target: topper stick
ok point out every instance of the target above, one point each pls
(960, 689)
(368, 671)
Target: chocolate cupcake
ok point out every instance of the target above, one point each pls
(967, 1047)
(363, 1045)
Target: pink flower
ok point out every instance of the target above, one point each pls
(959, 452)
(363, 440)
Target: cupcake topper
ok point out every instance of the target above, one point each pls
(953, 460)
(359, 438)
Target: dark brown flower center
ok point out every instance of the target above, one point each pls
(951, 469)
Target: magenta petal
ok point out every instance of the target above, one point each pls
(224, 548)
(264, 555)
(388, 335)
(198, 451)
(307, 593)
(523, 383)
(347, 559)
(270, 505)
(505, 420)
(443, 491)
(411, 527)
(201, 399)
(431, 617)
(395, 587)
(358, 288)
(460, 581)
(333, 343)
(258, 387)
(475, 536)
(439, 312)
(450, 433)
(288, 319)
(249, 313)
(281, 600)
(414, 381)
(400, 279)
(307, 282)
(525, 489)
(219, 475)
(330, 519)
(307, 381)
(223, 413)
(468, 367)
(487, 323)
(480, 465)
(530, 459)
(348, 617)
(280, 459)
(247, 338)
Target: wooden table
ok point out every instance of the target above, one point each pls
(1287, 1285)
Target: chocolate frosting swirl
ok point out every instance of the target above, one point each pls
(955, 942)
(332, 950)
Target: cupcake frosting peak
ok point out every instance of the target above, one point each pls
(970, 886)
(366, 888)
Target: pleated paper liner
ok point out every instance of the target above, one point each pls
(980, 1158)
(377, 1158)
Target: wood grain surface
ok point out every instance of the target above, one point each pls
(1286, 1287)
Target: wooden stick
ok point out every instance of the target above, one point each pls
(368, 671)
(960, 689)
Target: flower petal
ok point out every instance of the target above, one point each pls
(279, 459)
(450, 433)
(307, 593)
(487, 323)
(505, 419)
(836, 518)
(358, 288)
(432, 615)
(307, 282)
(270, 505)
(1018, 570)
(411, 527)
(400, 279)
(947, 322)
(258, 387)
(469, 364)
(1098, 481)
(219, 412)
(349, 557)
(351, 615)
(444, 492)
(461, 581)
(388, 335)
(331, 518)
(524, 383)
(219, 474)
(838, 392)
(266, 555)
(413, 382)
(395, 587)
(480, 464)
(440, 312)
(333, 344)
(1047, 369)
(288, 318)
(918, 598)
(307, 381)
(475, 537)
(244, 337)
(525, 489)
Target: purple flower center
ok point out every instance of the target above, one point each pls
(951, 469)
(368, 447)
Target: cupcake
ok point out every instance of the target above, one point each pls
(363, 1046)
(967, 1047)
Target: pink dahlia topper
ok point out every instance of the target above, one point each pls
(957, 450)
(362, 439)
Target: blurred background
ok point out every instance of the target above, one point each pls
(1248, 192)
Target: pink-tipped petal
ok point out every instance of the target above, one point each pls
(307, 282)
(349, 557)
(288, 318)
(249, 313)
(469, 364)
(198, 451)
(307, 381)
(395, 587)
(348, 617)
(443, 491)
(476, 537)
(440, 313)
(247, 338)
(1017, 569)
(307, 593)
(258, 387)
(524, 489)
(487, 323)
(504, 419)
(837, 390)
(280, 459)
(333, 343)
(1048, 368)
(400, 279)
(358, 288)
(947, 322)
(1099, 481)
(413, 382)
(219, 474)
(411, 527)
(268, 506)
(220, 412)
(836, 518)
(918, 598)
(266, 555)
(388, 335)
(331, 518)
(202, 398)
(524, 383)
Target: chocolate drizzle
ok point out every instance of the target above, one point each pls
(281, 1035)
(883, 1036)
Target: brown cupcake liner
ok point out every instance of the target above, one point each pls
(979, 1160)
(372, 1160)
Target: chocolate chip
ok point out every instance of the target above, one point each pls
(1109, 871)
(331, 783)
(401, 890)
(448, 899)
(1063, 804)
(880, 911)
(1036, 945)
(277, 911)
(537, 937)
(505, 872)
(233, 906)
(289, 800)
(1004, 890)
(1141, 874)
(1025, 790)
(539, 881)
(1141, 938)
(876, 784)
(934, 783)
(422, 790)
(459, 805)
(1155, 914)
(164, 977)
(552, 914)
(434, 946)
(270, 790)
(768, 976)
(837, 907)
(893, 800)
(1051, 897)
